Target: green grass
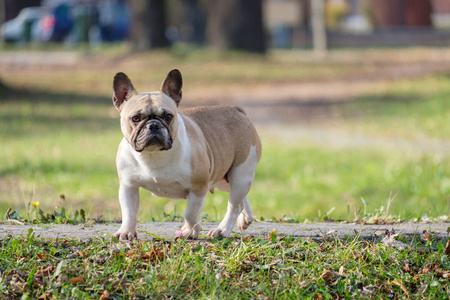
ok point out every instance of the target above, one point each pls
(66, 144)
(409, 109)
(237, 268)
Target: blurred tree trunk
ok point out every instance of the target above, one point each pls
(148, 24)
(236, 24)
(318, 26)
(2, 12)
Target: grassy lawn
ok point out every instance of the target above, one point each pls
(408, 109)
(56, 144)
(56, 141)
(237, 268)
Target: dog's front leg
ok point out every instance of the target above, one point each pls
(129, 204)
(192, 223)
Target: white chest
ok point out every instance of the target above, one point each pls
(170, 181)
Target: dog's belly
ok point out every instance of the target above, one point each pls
(166, 189)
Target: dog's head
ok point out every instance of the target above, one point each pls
(148, 120)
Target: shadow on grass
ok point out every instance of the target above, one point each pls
(319, 110)
(9, 94)
(30, 112)
(99, 110)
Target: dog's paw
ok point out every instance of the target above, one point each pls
(188, 232)
(219, 232)
(243, 222)
(126, 235)
(215, 233)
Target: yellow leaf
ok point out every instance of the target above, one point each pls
(76, 279)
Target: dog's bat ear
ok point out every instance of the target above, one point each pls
(123, 89)
(172, 85)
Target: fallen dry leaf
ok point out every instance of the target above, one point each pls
(304, 283)
(406, 268)
(18, 287)
(47, 296)
(271, 235)
(427, 236)
(327, 275)
(130, 252)
(426, 269)
(41, 255)
(76, 279)
(389, 240)
(248, 238)
(44, 272)
(155, 254)
(447, 247)
(105, 295)
(82, 254)
(402, 286)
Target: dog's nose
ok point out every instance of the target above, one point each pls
(154, 127)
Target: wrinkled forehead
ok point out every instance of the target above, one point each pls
(152, 103)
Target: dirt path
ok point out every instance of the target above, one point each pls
(166, 230)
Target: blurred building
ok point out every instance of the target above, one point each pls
(352, 23)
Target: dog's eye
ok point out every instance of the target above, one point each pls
(136, 119)
(168, 117)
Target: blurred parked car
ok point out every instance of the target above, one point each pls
(57, 24)
(105, 21)
(23, 27)
(114, 20)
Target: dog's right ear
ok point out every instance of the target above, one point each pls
(123, 89)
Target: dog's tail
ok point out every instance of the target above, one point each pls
(240, 109)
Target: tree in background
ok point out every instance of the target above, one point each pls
(236, 24)
(148, 24)
(9, 9)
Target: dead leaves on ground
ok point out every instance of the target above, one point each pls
(154, 255)
(257, 259)
(44, 272)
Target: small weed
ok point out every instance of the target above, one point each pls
(36, 215)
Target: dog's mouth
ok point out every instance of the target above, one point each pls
(151, 135)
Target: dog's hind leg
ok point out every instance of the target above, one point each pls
(241, 179)
(246, 217)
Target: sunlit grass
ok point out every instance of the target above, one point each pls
(409, 109)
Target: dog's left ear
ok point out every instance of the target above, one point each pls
(123, 90)
(172, 85)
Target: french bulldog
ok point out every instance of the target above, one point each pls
(183, 155)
